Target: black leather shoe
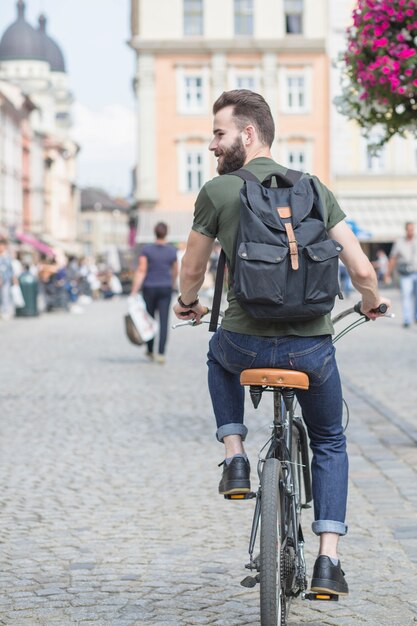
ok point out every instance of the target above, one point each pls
(328, 578)
(235, 477)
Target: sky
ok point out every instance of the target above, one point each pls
(92, 35)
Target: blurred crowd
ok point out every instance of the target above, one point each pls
(63, 282)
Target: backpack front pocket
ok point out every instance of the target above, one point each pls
(260, 273)
(322, 271)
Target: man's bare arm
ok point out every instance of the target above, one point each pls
(193, 269)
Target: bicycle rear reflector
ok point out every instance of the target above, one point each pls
(240, 496)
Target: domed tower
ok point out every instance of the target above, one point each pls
(58, 77)
(32, 60)
(20, 41)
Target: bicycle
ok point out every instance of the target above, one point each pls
(284, 490)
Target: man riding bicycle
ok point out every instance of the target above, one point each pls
(243, 133)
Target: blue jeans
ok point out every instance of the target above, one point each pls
(322, 406)
(158, 299)
(408, 285)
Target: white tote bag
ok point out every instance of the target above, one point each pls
(17, 296)
(145, 325)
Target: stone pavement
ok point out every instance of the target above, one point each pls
(109, 513)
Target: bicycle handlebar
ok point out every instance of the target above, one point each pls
(383, 308)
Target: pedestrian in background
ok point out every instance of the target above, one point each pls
(6, 279)
(344, 280)
(381, 265)
(403, 257)
(156, 275)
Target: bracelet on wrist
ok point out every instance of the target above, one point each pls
(187, 306)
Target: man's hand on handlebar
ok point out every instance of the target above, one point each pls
(372, 312)
(195, 313)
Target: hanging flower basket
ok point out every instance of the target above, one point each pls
(379, 68)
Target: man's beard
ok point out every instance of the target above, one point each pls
(232, 158)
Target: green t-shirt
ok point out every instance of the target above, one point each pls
(216, 214)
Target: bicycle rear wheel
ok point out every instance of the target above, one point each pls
(272, 584)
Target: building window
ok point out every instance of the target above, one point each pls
(246, 82)
(295, 89)
(244, 17)
(297, 159)
(192, 91)
(193, 166)
(297, 154)
(193, 17)
(375, 163)
(296, 96)
(88, 227)
(194, 175)
(293, 17)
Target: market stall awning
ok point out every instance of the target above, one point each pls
(379, 219)
(35, 243)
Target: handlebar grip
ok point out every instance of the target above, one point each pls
(382, 308)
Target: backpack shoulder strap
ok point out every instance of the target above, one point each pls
(245, 175)
(218, 288)
(293, 175)
(290, 176)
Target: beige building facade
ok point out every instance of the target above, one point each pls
(187, 53)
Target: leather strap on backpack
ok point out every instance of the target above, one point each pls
(285, 213)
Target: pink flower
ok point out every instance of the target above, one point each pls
(406, 54)
(408, 72)
(381, 42)
(386, 70)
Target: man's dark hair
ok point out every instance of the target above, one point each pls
(249, 108)
(161, 230)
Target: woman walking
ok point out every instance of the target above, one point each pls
(156, 275)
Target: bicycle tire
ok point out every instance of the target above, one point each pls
(272, 587)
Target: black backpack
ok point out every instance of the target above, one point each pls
(284, 266)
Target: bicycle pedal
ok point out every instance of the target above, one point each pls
(250, 581)
(321, 597)
(240, 496)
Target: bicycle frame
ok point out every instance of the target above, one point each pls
(281, 447)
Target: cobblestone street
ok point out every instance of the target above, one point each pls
(109, 507)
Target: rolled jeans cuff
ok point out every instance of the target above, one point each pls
(231, 429)
(329, 526)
